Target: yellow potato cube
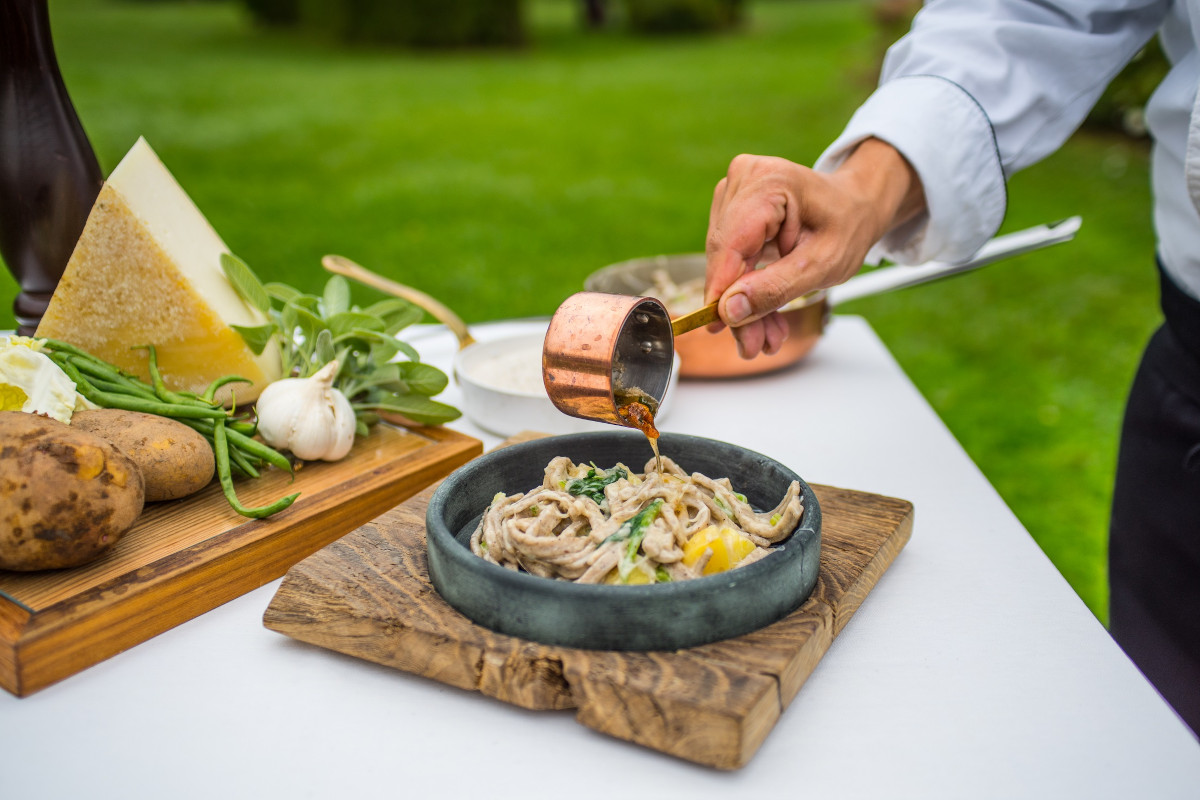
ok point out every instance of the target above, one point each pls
(728, 548)
(638, 576)
(740, 546)
(695, 546)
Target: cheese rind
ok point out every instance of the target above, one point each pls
(147, 270)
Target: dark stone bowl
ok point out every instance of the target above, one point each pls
(664, 616)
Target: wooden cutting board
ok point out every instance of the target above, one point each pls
(185, 557)
(369, 595)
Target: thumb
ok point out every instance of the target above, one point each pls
(758, 292)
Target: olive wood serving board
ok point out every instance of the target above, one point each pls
(185, 557)
(369, 595)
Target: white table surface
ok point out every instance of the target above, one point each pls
(971, 671)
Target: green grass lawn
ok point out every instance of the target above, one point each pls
(497, 180)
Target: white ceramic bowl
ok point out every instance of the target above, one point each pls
(501, 384)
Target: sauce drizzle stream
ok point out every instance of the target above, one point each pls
(637, 414)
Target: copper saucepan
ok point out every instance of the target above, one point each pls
(706, 355)
(603, 351)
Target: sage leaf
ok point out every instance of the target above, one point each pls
(387, 307)
(383, 350)
(347, 321)
(337, 296)
(310, 303)
(324, 347)
(423, 379)
(365, 339)
(245, 282)
(418, 409)
(312, 331)
(256, 337)
(408, 350)
(401, 320)
(281, 291)
(310, 324)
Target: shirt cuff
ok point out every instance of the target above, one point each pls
(947, 138)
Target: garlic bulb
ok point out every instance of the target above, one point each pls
(307, 416)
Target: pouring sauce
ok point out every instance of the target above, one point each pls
(636, 409)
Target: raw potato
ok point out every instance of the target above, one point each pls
(174, 459)
(66, 496)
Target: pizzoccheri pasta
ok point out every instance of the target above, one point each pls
(592, 525)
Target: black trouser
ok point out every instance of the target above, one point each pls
(1154, 544)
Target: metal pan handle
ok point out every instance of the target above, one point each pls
(902, 276)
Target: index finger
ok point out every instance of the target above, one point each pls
(740, 228)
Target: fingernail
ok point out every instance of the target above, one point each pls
(737, 308)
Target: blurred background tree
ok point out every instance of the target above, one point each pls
(416, 23)
(458, 23)
(682, 16)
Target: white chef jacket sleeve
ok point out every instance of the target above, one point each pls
(979, 89)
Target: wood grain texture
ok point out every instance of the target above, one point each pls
(185, 557)
(369, 595)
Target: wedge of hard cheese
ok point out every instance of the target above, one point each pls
(147, 270)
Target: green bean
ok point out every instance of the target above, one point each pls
(205, 427)
(244, 427)
(160, 388)
(237, 454)
(117, 382)
(136, 403)
(241, 426)
(82, 384)
(221, 451)
(193, 397)
(131, 384)
(238, 459)
(108, 374)
(210, 393)
(120, 387)
(97, 367)
(132, 403)
(234, 449)
(253, 451)
(63, 347)
(264, 452)
(116, 388)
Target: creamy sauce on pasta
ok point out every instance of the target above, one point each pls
(588, 524)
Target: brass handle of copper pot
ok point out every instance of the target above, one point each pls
(340, 265)
(708, 314)
(695, 319)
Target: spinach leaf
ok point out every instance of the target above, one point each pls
(592, 485)
(633, 530)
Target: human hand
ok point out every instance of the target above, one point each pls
(811, 229)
